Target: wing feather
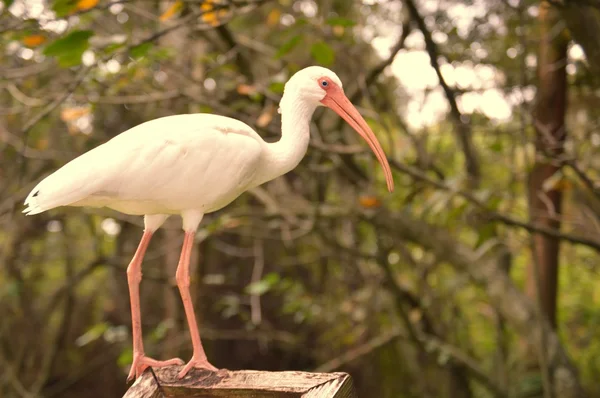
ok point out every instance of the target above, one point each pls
(175, 160)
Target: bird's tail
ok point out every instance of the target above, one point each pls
(38, 199)
(33, 205)
(64, 187)
(72, 183)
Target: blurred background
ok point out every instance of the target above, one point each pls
(477, 277)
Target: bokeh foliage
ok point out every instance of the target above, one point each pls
(416, 294)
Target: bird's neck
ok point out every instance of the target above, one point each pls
(285, 154)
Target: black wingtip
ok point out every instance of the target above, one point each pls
(35, 194)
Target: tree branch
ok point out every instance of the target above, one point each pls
(517, 309)
(462, 130)
(494, 215)
(378, 70)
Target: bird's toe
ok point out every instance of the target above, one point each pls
(141, 363)
(199, 363)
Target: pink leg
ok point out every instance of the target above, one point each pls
(183, 282)
(134, 277)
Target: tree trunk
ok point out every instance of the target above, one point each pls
(544, 199)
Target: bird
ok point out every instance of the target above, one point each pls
(190, 165)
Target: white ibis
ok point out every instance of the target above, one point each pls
(191, 165)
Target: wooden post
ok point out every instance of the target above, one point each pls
(163, 383)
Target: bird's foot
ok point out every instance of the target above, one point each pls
(196, 362)
(142, 362)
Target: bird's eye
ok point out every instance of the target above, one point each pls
(324, 83)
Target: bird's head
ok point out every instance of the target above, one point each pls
(318, 86)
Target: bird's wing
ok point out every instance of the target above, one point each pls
(164, 159)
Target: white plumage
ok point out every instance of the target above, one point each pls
(191, 165)
(164, 166)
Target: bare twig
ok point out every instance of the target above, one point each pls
(244, 66)
(494, 215)
(462, 130)
(378, 69)
(360, 351)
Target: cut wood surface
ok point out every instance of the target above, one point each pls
(241, 383)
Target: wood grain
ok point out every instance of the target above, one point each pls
(340, 387)
(241, 384)
(144, 387)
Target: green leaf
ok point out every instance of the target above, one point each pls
(7, 3)
(301, 22)
(205, 109)
(497, 146)
(288, 46)
(339, 21)
(258, 288)
(443, 357)
(231, 306)
(163, 54)
(140, 50)
(161, 330)
(77, 38)
(63, 8)
(112, 47)
(272, 278)
(261, 287)
(277, 87)
(530, 385)
(11, 289)
(322, 53)
(69, 49)
(256, 97)
(126, 357)
(94, 333)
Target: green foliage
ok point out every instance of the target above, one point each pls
(339, 21)
(69, 49)
(7, 3)
(140, 50)
(334, 280)
(288, 46)
(264, 285)
(277, 88)
(322, 53)
(63, 8)
(94, 333)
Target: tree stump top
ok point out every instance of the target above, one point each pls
(163, 383)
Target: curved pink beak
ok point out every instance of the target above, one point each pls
(337, 100)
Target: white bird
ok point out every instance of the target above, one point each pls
(190, 165)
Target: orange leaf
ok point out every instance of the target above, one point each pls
(42, 144)
(86, 4)
(233, 223)
(171, 11)
(206, 6)
(70, 114)
(246, 89)
(273, 17)
(415, 315)
(211, 18)
(72, 129)
(33, 40)
(369, 202)
(338, 30)
(266, 116)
